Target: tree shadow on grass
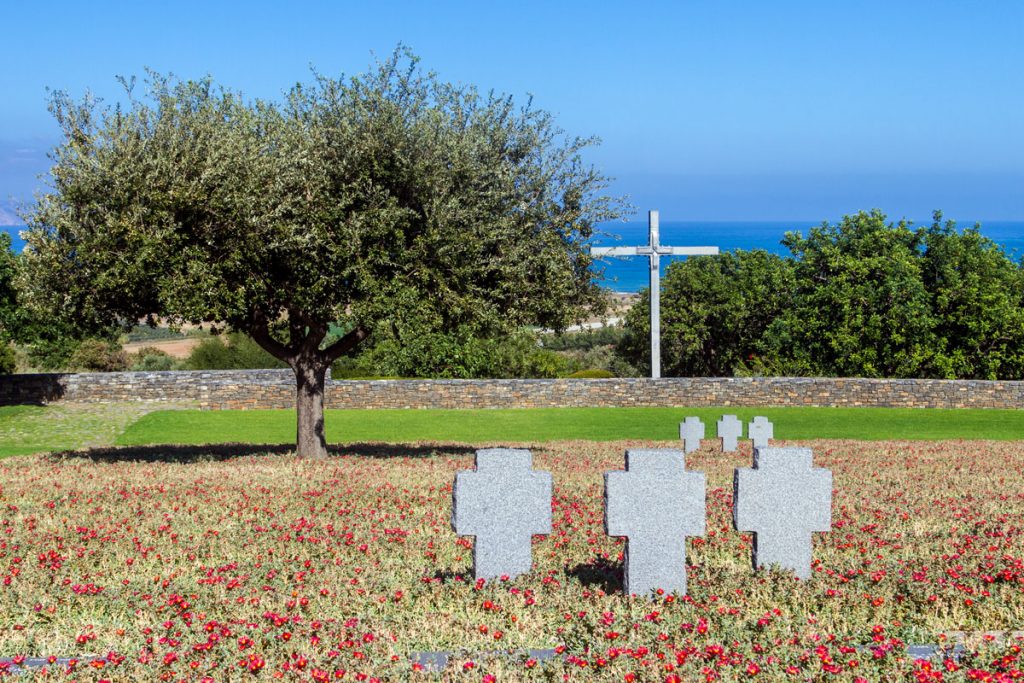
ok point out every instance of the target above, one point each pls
(600, 573)
(175, 453)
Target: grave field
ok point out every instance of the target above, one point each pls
(191, 565)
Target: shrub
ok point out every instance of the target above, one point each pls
(51, 352)
(458, 355)
(147, 333)
(592, 373)
(239, 353)
(8, 361)
(584, 340)
(347, 367)
(714, 313)
(96, 355)
(544, 364)
(152, 359)
(861, 298)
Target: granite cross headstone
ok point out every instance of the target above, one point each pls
(655, 504)
(761, 431)
(730, 429)
(691, 431)
(782, 500)
(503, 503)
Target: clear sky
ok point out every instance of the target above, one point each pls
(707, 110)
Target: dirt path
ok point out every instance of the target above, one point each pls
(176, 348)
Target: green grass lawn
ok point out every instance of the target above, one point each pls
(10, 418)
(62, 426)
(551, 424)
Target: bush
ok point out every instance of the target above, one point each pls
(456, 355)
(96, 355)
(584, 340)
(152, 359)
(714, 313)
(147, 333)
(347, 367)
(543, 364)
(239, 353)
(592, 373)
(51, 353)
(862, 298)
(8, 361)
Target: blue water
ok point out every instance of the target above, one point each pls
(630, 274)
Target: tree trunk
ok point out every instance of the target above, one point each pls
(309, 430)
(310, 363)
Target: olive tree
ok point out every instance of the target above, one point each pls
(8, 304)
(363, 202)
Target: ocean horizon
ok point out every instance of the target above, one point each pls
(629, 274)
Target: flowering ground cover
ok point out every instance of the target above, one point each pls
(198, 565)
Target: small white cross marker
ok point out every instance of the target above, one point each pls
(730, 429)
(691, 431)
(760, 431)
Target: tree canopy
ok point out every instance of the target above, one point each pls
(860, 298)
(714, 311)
(8, 300)
(378, 202)
(8, 303)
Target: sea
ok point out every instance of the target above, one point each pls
(630, 274)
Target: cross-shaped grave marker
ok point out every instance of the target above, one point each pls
(691, 431)
(504, 502)
(782, 500)
(730, 429)
(655, 504)
(653, 250)
(761, 431)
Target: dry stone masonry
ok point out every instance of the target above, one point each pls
(262, 389)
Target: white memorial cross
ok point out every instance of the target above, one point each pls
(761, 431)
(691, 431)
(654, 251)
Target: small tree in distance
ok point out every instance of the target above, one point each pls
(380, 201)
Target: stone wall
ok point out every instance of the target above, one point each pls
(212, 389)
(246, 389)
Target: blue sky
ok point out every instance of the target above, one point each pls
(707, 110)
